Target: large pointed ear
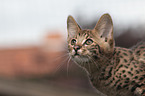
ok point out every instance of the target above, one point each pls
(104, 27)
(72, 26)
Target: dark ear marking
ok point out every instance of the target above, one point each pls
(104, 27)
(106, 39)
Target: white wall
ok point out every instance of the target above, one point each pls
(24, 21)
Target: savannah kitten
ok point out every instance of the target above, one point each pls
(115, 71)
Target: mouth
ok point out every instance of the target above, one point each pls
(80, 59)
(76, 54)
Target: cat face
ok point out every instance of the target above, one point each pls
(85, 45)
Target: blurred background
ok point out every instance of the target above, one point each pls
(33, 51)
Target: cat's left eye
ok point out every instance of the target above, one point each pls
(89, 41)
(73, 41)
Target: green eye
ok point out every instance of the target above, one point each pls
(89, 41)
(73, 41)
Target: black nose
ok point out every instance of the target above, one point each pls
(76, 48)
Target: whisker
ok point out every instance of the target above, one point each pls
(89, 66)
(59, 57)
(68, 64)
(92, 60)
(61, 64)
(65, 46)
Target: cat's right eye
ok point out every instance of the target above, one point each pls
(73, 41)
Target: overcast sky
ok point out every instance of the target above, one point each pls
(25, 21)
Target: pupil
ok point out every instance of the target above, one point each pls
(89, 41)
(73, 41)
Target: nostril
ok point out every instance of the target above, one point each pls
(76, 47)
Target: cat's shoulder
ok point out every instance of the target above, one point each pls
(139, 46)
(139, 51)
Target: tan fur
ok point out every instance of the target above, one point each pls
(112, 70)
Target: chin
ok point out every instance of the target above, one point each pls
(80, 59)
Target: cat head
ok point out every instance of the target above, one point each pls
(87, 44)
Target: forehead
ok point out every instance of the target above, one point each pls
(86, 34)
(83, 34)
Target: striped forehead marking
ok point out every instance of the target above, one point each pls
(82, 36)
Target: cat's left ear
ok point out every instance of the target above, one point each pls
(104, 27)
(72, 26)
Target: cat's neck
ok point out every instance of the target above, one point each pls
(97, 65)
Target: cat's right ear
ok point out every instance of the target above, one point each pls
(72, 26)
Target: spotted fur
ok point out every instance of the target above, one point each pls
(115, 71)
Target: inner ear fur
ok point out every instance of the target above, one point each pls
(104, 29)
(72, 26)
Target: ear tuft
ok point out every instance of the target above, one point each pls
(72, 26)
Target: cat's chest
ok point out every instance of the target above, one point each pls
(107, 81)
(99, 80)
(102, 86)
